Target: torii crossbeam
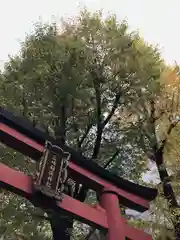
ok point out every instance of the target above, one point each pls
(19, 134)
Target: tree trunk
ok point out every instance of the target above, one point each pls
(168, 190)
(61, 227)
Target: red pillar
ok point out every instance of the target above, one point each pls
(110, 202)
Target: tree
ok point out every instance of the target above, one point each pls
(156, 122)
(78, 82)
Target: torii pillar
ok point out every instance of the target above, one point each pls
(110, 202)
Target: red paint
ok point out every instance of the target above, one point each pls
(78, 173)
(116, 227)
(96, 183)
(22, 184)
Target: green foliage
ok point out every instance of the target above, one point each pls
(81, 83)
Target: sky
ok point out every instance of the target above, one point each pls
(156, 20)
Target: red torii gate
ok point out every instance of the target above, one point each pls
(18, 133)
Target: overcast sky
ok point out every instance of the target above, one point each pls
(157, 20)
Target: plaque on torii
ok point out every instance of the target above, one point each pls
(55, 161)
(51, 172)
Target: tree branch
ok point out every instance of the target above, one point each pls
(80, 141)
(101, 125)
(164, 176)
(153, 117)
(60, 130)
(21, 236)
(114, 107)
(152, 112)
(97, 142)
(160, 115)
(99, 119)
(41, 217)
(111, 159)
(24, 104)
(171, 127)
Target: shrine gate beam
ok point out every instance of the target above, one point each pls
(22, 185)
(12, 138)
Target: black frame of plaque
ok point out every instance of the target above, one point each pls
(51, 173)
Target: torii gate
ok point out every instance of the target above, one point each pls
(57, 164)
